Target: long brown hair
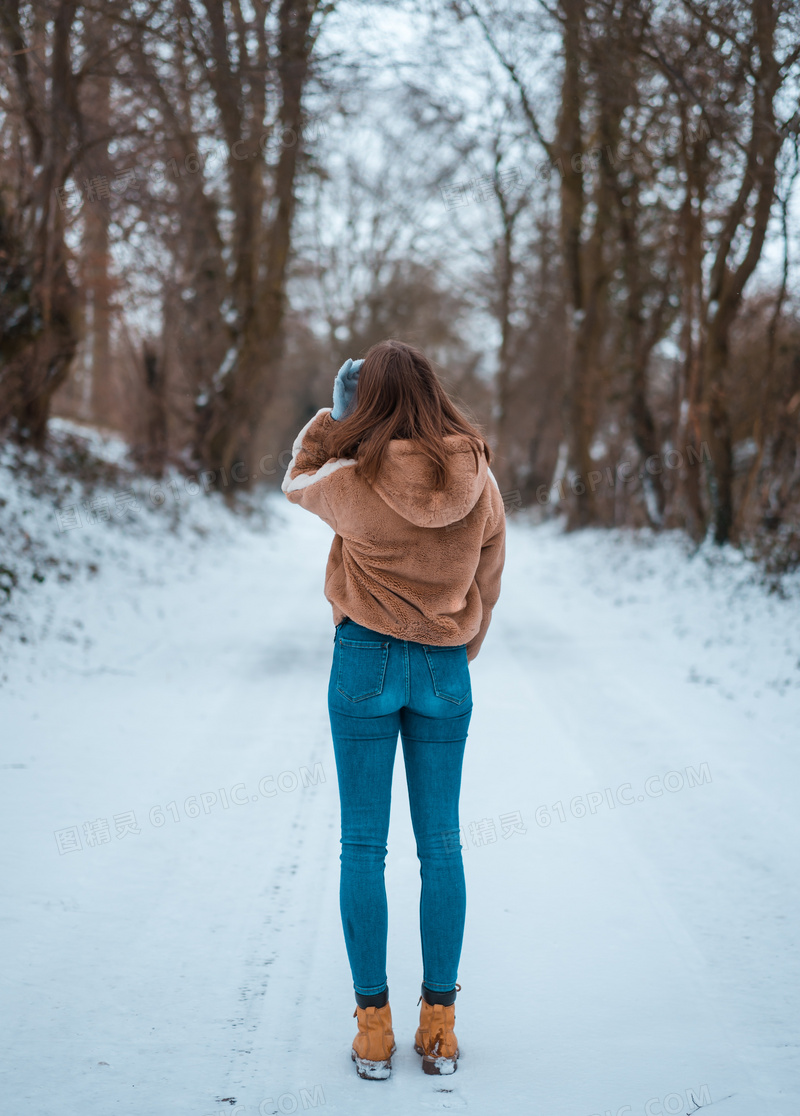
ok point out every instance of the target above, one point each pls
(398, 395)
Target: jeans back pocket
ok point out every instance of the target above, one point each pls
(362, 668)
(449, 669)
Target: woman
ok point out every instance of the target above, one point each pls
(413, 574)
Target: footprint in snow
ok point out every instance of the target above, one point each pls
(444, 1098)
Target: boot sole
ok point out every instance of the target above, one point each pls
(372, 1071)
(432, 1064)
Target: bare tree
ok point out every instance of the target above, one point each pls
(39, 39)
(233, 246)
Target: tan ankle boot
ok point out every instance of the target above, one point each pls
(435, 1039)
(374, 1044)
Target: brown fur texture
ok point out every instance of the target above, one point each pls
(406, 561)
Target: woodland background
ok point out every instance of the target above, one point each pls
(586, 213)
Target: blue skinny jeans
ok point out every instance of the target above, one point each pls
(381, 686)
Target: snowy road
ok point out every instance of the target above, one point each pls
(630, 827)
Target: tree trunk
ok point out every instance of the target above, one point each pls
(580, 319)
(152, 451)
(686, 504)
(46, 360)
(728, 280)
(248, 388)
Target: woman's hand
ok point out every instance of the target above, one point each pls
(344, 387)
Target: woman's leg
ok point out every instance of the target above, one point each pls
(433, 751)
(365, 750)
(365, 691)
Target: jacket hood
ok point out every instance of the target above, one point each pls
(405, 481)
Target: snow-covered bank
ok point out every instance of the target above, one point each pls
(83, 509)
(171, 845)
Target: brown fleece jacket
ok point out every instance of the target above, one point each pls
(406, 561)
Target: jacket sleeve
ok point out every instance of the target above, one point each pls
(308, 475)
(490, 566)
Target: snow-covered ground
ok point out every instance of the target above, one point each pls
(170, 931)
